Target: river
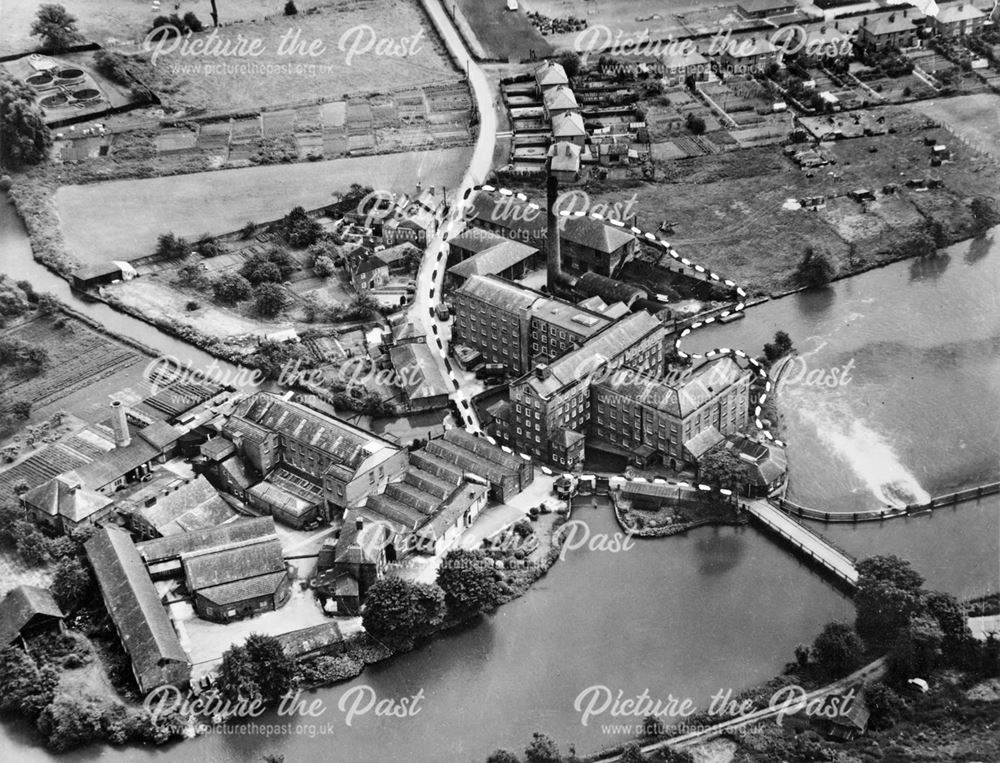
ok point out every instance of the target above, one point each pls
(713, 609)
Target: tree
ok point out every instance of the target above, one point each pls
(837, 650)
(192, 277)
(258, 670)
(503, 756)
(781, 346)
(72, 583)
(269, 299)
(542, 749)
(324, 267)
(171, 247)
(724, 468)
(231, 288)
(397, 611)
(570, 62)
(70, 722)
(298, 229)
(468, 580)
(984, 213)
(56, 27)
(24, 687)
(814, 269)
(632, 753)
(270, 267)
(886, 707)
(950, 616)
(48, 304)
(695, 124)
(916, 650)
(24, 137)
(290, 9)
(271, 357)
(888, 592)
(32, 546)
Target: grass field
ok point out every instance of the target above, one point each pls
(122, 219)
(732, 210)
(973, 117)
(503, 33)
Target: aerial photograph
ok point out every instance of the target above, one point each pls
(499, 381)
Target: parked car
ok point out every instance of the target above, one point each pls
(491, 371)
(442, 311)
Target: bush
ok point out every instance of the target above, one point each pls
(170, 247)
(191, 306)
(24, 137)
(269, 299)
(695, 124)
(231, 288)
(114, 66)
(814, 269)
(290, 9)
(324, 267)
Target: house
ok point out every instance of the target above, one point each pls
(565, 162)
(291, 497)
(348, 463)
(140, 619)
(569, 127)
(767, 462)
(559, 100)
(352, 561)
(63, 504)
(237, 579)
(417, 373)
(759, 9)
(893, 30)
(369, 273)
(171, 504)
(842, 716)
(748, 56)
(28, 611)
(677, 67)
(961, 19)
(549, 75)
(162, 556)
(414, 230)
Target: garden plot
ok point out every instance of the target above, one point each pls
(851, 220)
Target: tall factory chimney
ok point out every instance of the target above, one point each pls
(553, 255)
(119, 424)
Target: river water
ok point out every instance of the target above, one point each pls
(713, 609)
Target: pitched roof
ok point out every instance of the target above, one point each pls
(217, 448)
(559, 98)
(608, 289)
(496, 259)
(955, 12)
(417, 371)
(285, 500)
(359, 546)
(677, 396)
(703, 441)
(452, 510)
(133, 604)
(496, 291)
(476, 240)
(171, 547)
(65, 496)
(160, 434)
(20, 605)
(891, 23)
(611, 343)
(564, 156)
(232, 563)
(193, 505)
(568, 124)
(550, 73)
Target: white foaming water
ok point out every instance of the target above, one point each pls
(864, 450)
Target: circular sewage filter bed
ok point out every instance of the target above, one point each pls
(87, 94)
(39, 80)
(70, 73)
(53, 101)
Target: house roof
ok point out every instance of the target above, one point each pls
(564, 157)
(418, 371)
(496, 259)
(672, 61)
(217, 448)
(469, 461)
(133, 604)
(703, 442)
(65, 496)
(374, 262)
(891, 23)
(768, 460)
(20, 605)
(241, 590)
(236, 471)
(98, 270)
(568, 124)
(452, 510)
(762, 6)
(475, 240)
(160, 434)
(285, 500)
(172, 547)
(236, 563)
(484, 449)
(956, 12)
(566, 438)
(755, 46)
(559, 98)
(550, 74)
(359, 546)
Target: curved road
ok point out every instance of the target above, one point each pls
(430, 278)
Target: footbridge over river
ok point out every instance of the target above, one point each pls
(805, 541)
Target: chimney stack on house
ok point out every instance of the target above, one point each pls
(119, 424)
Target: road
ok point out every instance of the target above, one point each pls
(871, 672)
(430, 278)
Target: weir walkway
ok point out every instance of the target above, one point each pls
(805, 541)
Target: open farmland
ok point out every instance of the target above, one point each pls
(122, 219)
(502, 33)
